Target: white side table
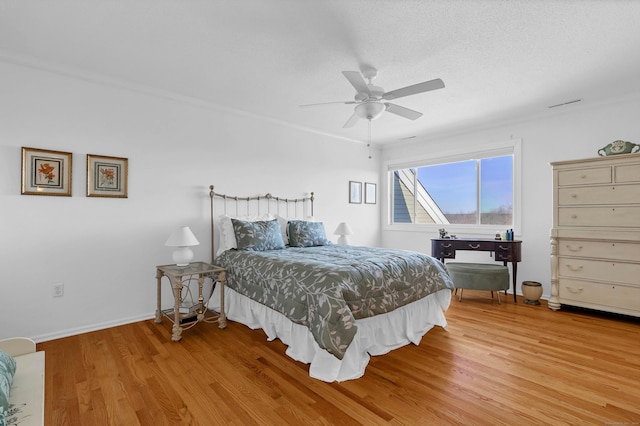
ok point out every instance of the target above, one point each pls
(197, 311)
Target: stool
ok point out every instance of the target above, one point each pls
(479, 276)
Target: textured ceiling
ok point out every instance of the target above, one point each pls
(500, 60)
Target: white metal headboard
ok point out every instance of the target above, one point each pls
(257, 205)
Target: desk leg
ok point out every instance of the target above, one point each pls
(177, 296)
(514, 279)
(158, 310)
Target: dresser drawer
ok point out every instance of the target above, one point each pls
(600, 270)
(613, 217)
(627, 173)
(585, 176)
(610, 194)
(599, 295)
(600, 249)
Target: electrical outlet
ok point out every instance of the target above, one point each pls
(58, 290)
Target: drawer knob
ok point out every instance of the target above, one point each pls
(575, 290)
(574, 216)
(446, 245)
(474, 246)
(503, 248)
(573, 248)
(574, 195)
(574, 268)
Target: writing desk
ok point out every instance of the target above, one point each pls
(503, 251)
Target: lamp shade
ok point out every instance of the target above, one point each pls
(182, 238)
(343, 230)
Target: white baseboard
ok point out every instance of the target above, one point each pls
(89, 328)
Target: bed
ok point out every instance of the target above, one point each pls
(332, 305)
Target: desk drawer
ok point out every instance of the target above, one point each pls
(613, 217)
(504, 252)
(474, 245)
(599, 295)
(610, 194)
(584, 176)
(443, 250)
(606, 271)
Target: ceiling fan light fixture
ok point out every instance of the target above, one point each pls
(370, 110)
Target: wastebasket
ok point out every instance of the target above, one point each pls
(531, 290)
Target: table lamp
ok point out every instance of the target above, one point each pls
(343, 230)
(182, 238)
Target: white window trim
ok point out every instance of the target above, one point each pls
(512, 146)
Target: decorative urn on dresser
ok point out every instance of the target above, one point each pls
(595, 239)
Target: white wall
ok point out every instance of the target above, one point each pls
(104, 250)
(570, 133)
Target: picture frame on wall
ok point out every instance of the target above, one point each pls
(46, 172)
(107, 176)
(355, 192)
(369, 193)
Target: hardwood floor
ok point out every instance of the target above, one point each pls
(509, 364)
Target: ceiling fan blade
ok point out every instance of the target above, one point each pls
(414, 89)
(329, 103)
(402, 111)
(356, 80)
(351, 121)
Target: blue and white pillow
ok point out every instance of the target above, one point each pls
(307, 234)
(258, 236)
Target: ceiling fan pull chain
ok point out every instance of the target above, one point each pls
(369, 143)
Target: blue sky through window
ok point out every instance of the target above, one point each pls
(453, 185)
(496, 188)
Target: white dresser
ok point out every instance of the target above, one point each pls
(595, 239)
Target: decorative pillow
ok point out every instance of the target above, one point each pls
(306, 234)
(7, 370)
(258, 236)
(225, 230)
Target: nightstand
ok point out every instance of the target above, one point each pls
(188, 312)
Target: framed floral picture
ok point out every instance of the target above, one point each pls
(46, 172)
(107, 176)
(355, 192)
(369, 193)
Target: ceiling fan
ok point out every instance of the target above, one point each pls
(370, 100)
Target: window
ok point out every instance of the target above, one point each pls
(469, 190)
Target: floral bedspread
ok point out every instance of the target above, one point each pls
(327, 288)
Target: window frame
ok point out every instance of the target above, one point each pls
(510, 147)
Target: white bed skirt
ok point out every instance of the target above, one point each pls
(375, 336)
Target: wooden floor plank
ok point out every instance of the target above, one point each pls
(495, 364)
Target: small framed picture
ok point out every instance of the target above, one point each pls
(107, 176)
(46, 172)
(369, 193)
(355, 192)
